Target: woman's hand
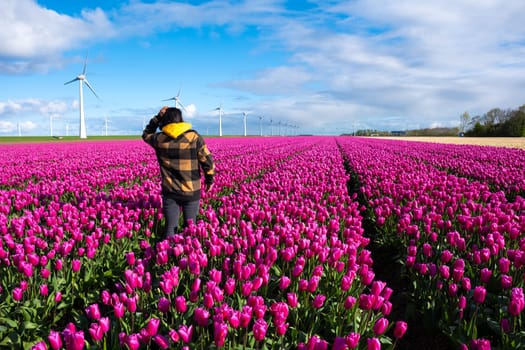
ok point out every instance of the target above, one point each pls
(163, 111)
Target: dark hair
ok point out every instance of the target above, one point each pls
(172, 115)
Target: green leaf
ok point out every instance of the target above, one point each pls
(12, 339)
(11, 323)
(30, 325)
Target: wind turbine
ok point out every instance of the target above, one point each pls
(82, 79)
(220, 118)
(260, 123)
(244, 115)
(178, 104)
(106, 125)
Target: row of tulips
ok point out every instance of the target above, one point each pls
(501, 168)
(462, 246)
(277, 258)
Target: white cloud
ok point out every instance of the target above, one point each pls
(32, 37)
(273, 81)
(190, 111)
(31, 107)
(11, 128)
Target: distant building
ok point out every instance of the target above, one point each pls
(398, 133)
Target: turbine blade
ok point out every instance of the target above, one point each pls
(85, 65)
(184, 108)
(69, 82)
(169, 99)
(90, 88)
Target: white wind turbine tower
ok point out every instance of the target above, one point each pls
(244, 115)
(106, 125)
(260, 123)
(82, 79)
(220, 118)
(178, 104)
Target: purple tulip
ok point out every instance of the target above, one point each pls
(220, 332)
(18, 293)
(96, 332)
(485, 276)
(119, 309)
(75, 265)
(373, 344)
(41, 345)
(516, 302)
(259, 329)
(73, 339)
(163, 305)
(161, 341)
(318, 301)
(180, 304)
(55, 340)
(93, 312)
(292, 300)
(380, 326)
(352, 340)
(400, 329)
(185, 333)
(152, 326)
(480, 344)
(201, 316)
(479, 294)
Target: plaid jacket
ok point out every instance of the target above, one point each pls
(181, 158)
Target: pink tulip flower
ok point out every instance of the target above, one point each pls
(96, 332)
(318, 301)
(292, 300)
(41, 345)
(220, 332)
(380, 326)
(73, 339)
(75, 265)
(485, 276)
(479, 294)
(373, 344)
(480, 344)
(259, 329)
(161, 341)
(119, 309)
(516, 302)
(18, 293)
(352, 340)
(349, 302)
(55, 340)
(185, 333)
(400, 329)
(163, 305)
(201, 316)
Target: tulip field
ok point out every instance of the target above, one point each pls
(284, 253)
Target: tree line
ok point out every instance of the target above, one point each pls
(494, 123)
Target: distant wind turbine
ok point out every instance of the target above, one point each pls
(82, 79)
(260, 123)
(178, 104)
(220, 118)
(106, 125)
(244, 115)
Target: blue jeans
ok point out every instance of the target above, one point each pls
(172, 208)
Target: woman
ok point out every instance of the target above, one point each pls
(181, 153)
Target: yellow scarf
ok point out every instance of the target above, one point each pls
(174, 130)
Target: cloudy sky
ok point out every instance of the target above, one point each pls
(321, 67)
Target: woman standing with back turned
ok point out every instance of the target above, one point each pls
(181, 153)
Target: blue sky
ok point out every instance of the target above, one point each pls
(321, 67)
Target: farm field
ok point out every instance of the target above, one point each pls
(511, 142)
(303, 243)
